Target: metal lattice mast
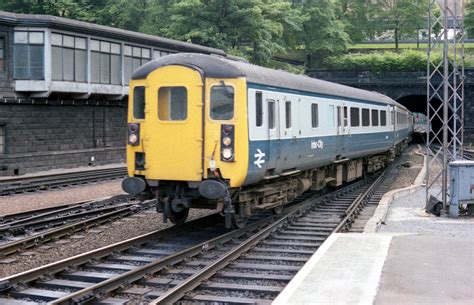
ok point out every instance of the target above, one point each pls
(445, 88)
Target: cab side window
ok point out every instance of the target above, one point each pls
(222, 102)
(139, 102)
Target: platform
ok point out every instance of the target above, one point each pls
(413, 258)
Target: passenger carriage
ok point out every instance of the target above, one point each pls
(208, 132)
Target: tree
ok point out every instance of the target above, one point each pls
(324, 34)
(469, 18)
(403, 16)
(357, 17)
(256, 29)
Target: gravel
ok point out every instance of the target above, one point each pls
(114, 232)
(65, 170)
(56, 197)
(406, 175)
(407, 214)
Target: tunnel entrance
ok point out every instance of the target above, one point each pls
(417, 103)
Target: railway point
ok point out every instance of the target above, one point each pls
(139, 169)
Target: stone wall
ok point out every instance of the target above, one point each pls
(43, 137)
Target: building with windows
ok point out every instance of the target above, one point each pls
(63, 89)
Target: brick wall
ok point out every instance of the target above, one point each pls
(42, 137)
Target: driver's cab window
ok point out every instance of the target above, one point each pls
(222, 102)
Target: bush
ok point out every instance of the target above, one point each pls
(409, 60)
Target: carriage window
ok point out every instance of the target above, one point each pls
(383, 118)
(355, 117)
(139, 102)
(222, 102)
(271, 114)
(258, 109)
(375, 117)
(288, 114)
(365, 117)
(314, 115)
(172, 103)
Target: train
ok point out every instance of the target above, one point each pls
(420, 123)
(208, 132)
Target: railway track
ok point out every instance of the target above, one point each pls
(31, 184)
(469, 154)
(26, 230)
(198, 261)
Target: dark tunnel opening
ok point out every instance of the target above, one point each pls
(418, 103)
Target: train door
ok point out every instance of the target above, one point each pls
(173, 128)
(343, 130)
(393, 118)
(289, 129)
(273, 135)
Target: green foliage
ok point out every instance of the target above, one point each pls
(317, 30)
(254, 28)
(469, 18)
(324, 33)
(409, 60)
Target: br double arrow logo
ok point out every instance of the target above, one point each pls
(259, 158)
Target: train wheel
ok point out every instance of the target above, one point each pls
(238, 221)
(277, 210)
(178, 217)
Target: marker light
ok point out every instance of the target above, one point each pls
(226, 141)
(227, 153)
(134, 134)
(132, 138)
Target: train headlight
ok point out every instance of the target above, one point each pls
(227, 153)
(226, 141)
(132, 139)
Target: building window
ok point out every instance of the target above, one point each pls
(314, 115)
(383, 118)
(106, 64)
(258, 109)
(2, 54)
(355, 120)
(157, 54)
(2, 139)
(69, 58)
(288, 114)
(365, 117)
(134, 57)
(375, 117)
(28, 55)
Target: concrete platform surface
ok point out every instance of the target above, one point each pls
(386, 268)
